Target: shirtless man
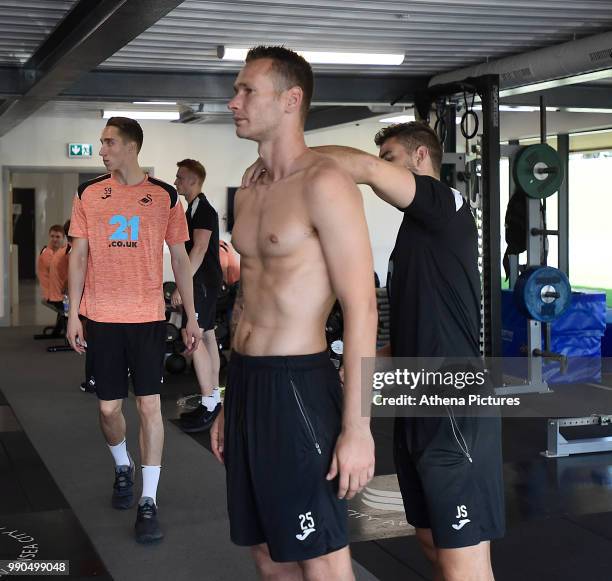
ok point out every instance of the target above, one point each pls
(450, 467)
(295, 446)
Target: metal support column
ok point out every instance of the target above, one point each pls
(563, 204)
(488, 88)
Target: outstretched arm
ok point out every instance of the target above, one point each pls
(393, 184)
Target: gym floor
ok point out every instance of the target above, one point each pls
(57, 477)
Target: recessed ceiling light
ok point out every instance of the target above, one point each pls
(587, 110)
(153, 102)
(397, 119)
(161, 115)
(323, 57)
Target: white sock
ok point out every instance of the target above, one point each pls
(210, 401)
(150, 479)
(120, 454)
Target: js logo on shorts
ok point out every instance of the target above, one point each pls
(462, 516)
(146, 201)
(307, 525)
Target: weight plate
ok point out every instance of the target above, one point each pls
(542, 293)
(538, 170)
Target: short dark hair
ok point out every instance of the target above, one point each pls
(194, 167)
(412, 135)
(129, 129)
(56, 228)
(292, 70)
(67, 227)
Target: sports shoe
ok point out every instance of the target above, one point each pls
(195, 412)
(200, 420)
(88, 386)
(189, 401)
(123, 489)
(147, 528)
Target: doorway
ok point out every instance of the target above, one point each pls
(24, 231)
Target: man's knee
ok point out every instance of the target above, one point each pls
(210, 339)
(334, 566)
(110, 410)
(269, 570)
(148, 406)
(466, 564)
(427, 545)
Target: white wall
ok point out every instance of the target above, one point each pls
(53, 198)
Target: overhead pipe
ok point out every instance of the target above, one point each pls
(576, 57)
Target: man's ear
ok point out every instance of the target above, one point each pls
(422, 153)
(294, 99)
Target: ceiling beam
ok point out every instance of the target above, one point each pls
(107, 85)
(92, 32)
(330, 116)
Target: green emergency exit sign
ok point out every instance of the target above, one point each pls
(80, 149)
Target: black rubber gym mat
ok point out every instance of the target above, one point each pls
(51, 535)
(405, 563)
(34, 513)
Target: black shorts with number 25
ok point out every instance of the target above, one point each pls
(282, 420)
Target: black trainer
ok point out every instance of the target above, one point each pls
(88, 386)
(200, 421)
(194, 413)
(147, 528)
(123, 489)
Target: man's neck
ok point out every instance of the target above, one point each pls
(191, 196)
(279, 154)
(129, 175)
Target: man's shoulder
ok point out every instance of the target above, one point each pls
(167, 188)
(205, 206)
(324, 178)
(98, 181)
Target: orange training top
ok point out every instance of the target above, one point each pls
(58, 274)
(230, 263)
(42, 269)
(126, 227)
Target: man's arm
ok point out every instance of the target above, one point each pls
(393, 184)
(77, 269)
(184, 282)
(336, 210)
(201, 238)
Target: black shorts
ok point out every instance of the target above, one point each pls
(461, 501)
(282, 420)
(115, 348)
(205, 303)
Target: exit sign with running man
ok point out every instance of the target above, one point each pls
(80, 149)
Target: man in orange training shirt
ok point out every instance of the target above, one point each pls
(119, 224)
(58, 271)
(56, 241)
